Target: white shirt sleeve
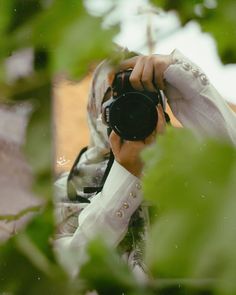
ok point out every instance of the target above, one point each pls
(108, 215)
(195, 102)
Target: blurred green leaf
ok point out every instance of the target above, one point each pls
(221, 23)
(39, 141)
(27, 263)
(41, 230)
(107, 273)
(75, 53)
(192, 184)
(215, 17)
(22, 11)
(184, 8)
(38, 146)
(72, 40)
(5, 7)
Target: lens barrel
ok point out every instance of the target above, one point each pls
(130, 113)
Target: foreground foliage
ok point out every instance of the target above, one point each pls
(190, 184)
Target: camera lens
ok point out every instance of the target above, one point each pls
(133, 116)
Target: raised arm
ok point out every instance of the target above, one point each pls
(193, 99)
(108, 214)
(195, 102)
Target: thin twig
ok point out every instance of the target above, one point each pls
(12, 217)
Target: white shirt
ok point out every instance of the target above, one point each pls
(199, 107)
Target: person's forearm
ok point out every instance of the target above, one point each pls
(195, 102)
(108, 215)
(110, 211)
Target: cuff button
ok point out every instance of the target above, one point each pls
(119, 213)
(204, 79)
(186, 66)
(132, 195)
(195, 72)
(125, 205)
(138, 186)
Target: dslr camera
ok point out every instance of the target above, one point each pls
(130, 113)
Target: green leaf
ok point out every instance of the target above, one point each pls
(215, 17)
(27, 263)
(22, 12)
(75, 52)
(5, 10)
(221, 23)
(38, 146)
(193, 185)
(107, 273)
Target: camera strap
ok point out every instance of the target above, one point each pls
(71, 190)
(109, 165)
(97, 189)
(167, 118)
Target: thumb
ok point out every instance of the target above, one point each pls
(115, 142)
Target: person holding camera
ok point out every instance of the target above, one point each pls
(102, 195)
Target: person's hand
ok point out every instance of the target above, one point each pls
(127, 153)
(148, 71)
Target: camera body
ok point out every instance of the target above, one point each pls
(130, 113)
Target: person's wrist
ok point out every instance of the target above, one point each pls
(133, 168)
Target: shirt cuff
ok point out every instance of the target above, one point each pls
(122, 192)
(185, 76)
(109, 212)
(195, 102)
